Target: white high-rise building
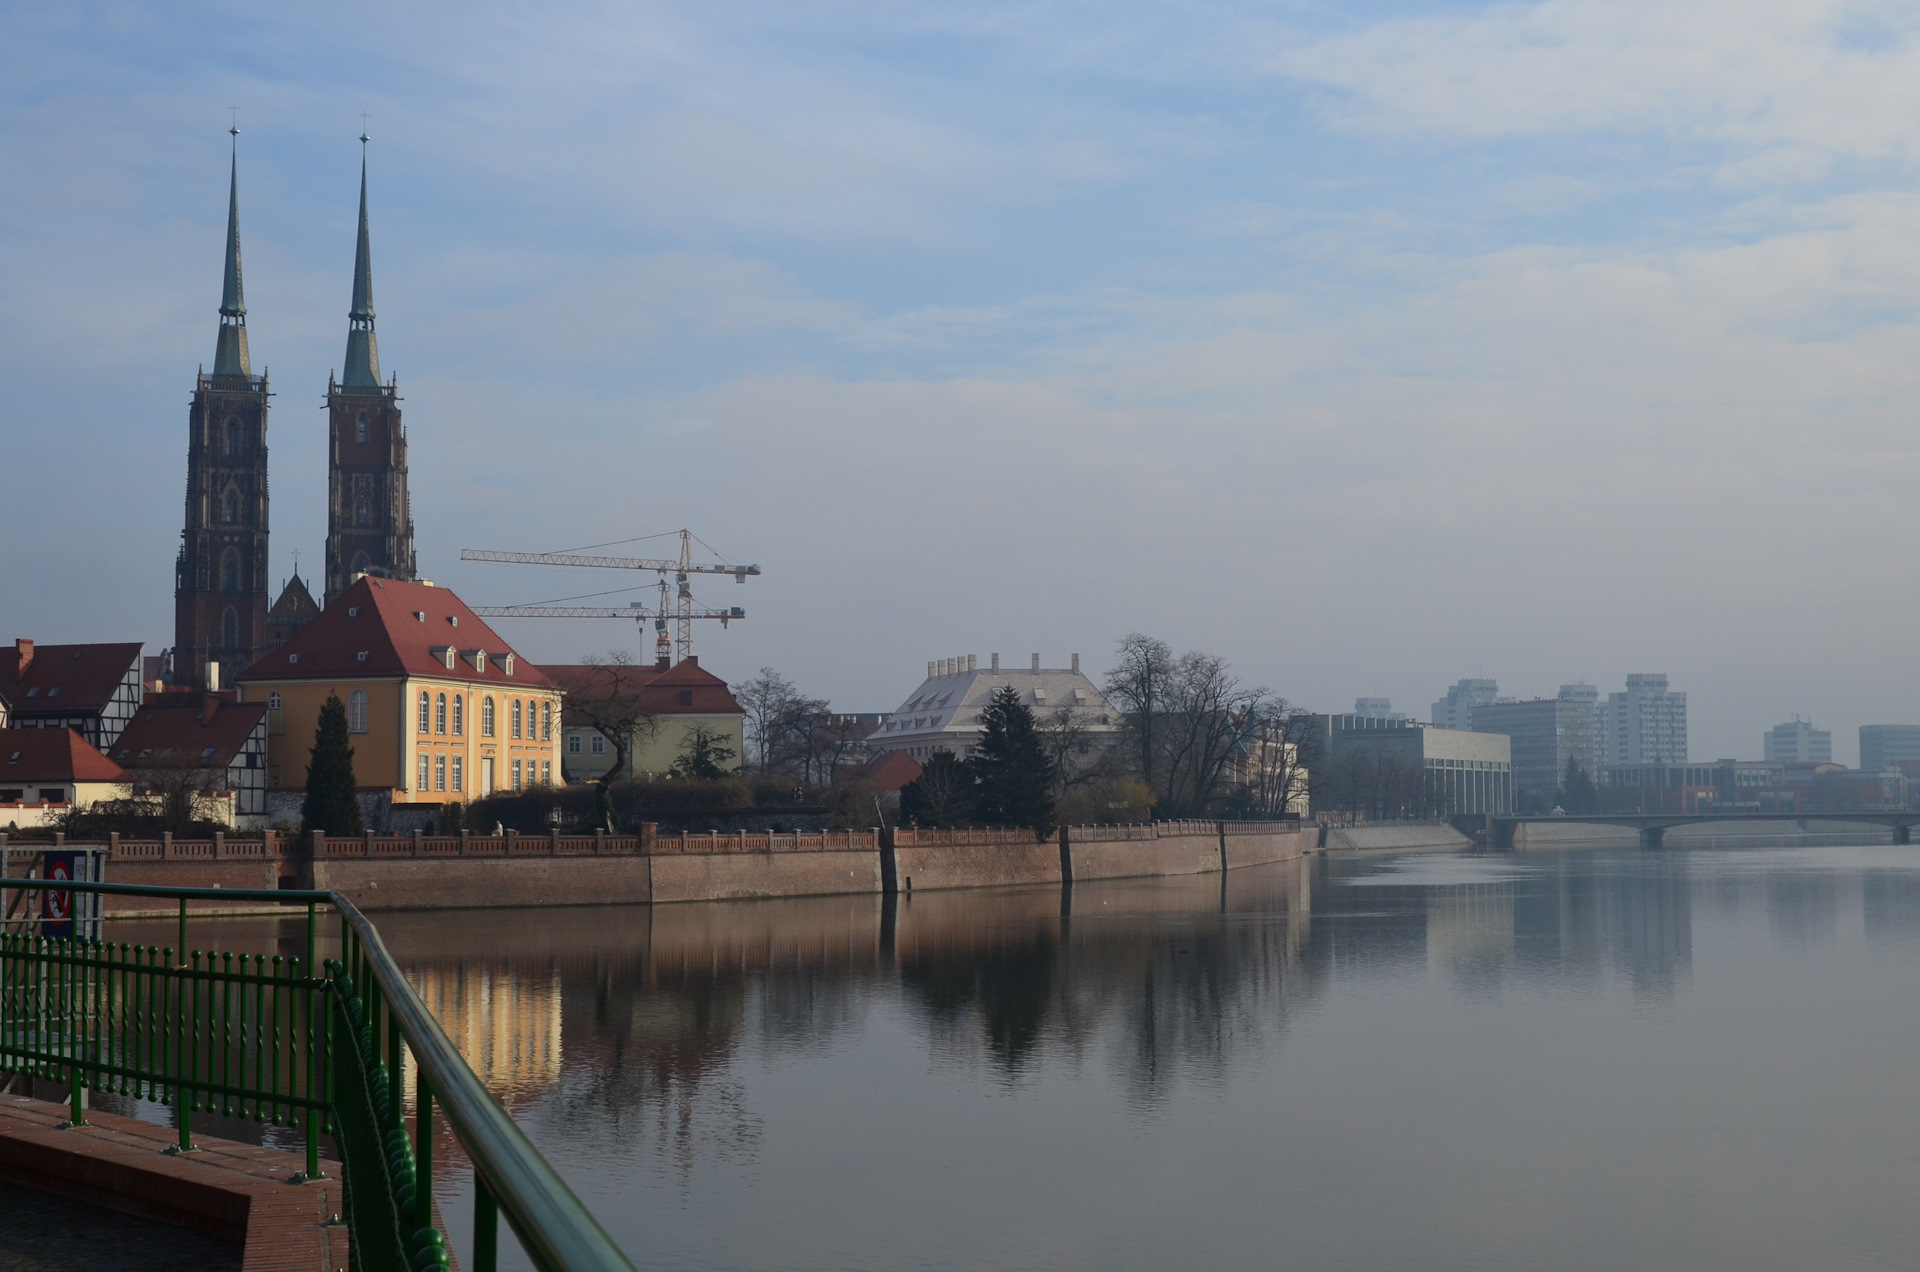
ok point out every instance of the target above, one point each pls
(1798, 740)
(1645, 725)
(1455, 711)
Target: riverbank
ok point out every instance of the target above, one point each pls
(466, 871)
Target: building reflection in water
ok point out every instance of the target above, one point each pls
(504, 1018)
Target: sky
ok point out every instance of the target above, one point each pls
(1368, 346)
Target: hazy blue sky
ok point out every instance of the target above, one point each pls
(1370, 345)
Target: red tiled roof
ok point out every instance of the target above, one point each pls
(178, 727)
(889, 772)
(377, 618)
(63, 680)
(660, 692)
(46, 755)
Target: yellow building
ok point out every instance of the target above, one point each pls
(440, 708)
(667, 703)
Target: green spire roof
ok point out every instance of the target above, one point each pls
(363, 352)
(230, 355)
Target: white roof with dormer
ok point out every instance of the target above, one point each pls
(943, 714)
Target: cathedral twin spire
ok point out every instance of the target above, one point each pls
(230, 358)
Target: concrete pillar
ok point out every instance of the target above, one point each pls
(1653, 836)
(1903, 834)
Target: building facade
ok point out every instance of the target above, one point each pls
(1798, 740)
(1460, 771)
(220, 574)
(1647, 724)
(943, 714)
(1884, 745)
(92, 689)
(1545, 733)
(1455, 711)
(212, 738)
(45, 773)
(369, 513)
(668, 703)
(440, 708)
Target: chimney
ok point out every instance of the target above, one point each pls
(996, 664)
(929, 669)
(213, 674)
(693, 660)
(25, 649)
(973, 662)
(209, 703)
(1076, 663)
(662, 663)
(1036, 662)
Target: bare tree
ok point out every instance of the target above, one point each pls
(608, 699)
(1080, 758)
(1280, 758)
(768, 700)
(1138, 686)
(1209, 719)
(176, 790)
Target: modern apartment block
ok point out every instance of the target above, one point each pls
(1374, 708)
(1645, 725)
(1882, 745)
(1799, 740)
(1544, 733)
(1455, 711)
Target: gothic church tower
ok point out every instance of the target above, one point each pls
(220, 576)
(369, 517)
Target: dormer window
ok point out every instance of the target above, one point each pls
(480, 660)
(453, 619)
(419, 616)
(54, 692)
(34, 692)
(353, 611)
(293, 658)
(361, 656)
(449, 658)
(506, 665)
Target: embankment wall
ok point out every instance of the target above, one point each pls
(423, 872)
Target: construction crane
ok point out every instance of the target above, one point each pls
(680, 607)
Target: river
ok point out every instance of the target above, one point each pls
(1694, 1058)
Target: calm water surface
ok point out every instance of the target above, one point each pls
(1607, 1060)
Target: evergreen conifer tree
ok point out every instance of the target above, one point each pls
(943, 794)
(1015, 773)
(330, 805)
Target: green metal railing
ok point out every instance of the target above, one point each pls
(260, 1036)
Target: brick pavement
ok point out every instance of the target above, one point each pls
(238, 1192)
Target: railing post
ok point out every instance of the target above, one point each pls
(486, 1227)
(313, 1052)
(422, 1152)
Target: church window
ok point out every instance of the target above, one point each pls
(440, 714)
(426, 709)
(360, 429)
(516, 717)
(230, 571)
(459, 715)
(233, 439)
(363, 499)
(360, 563)
(230, 630)
(486, 717)
(357, 711)
(546, 722)
(230, 506)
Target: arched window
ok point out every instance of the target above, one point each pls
(516, 717)
(360, 429)
(357, 711)
(233, 439)
(440, 714)
(230, 630)
(426, 709)
(360, 563)
(459, 717)
(486, 716)
(273, 700)
(230, 506)
(546, 722)
(230, 570)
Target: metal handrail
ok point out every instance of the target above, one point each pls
(555, 1229)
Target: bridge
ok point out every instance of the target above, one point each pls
(1654, 826)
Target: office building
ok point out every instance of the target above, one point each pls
(1455, 711)
(1798, 740)
(1883, 745)
(1545, 733)
(1401, 768)
(1647, 724)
